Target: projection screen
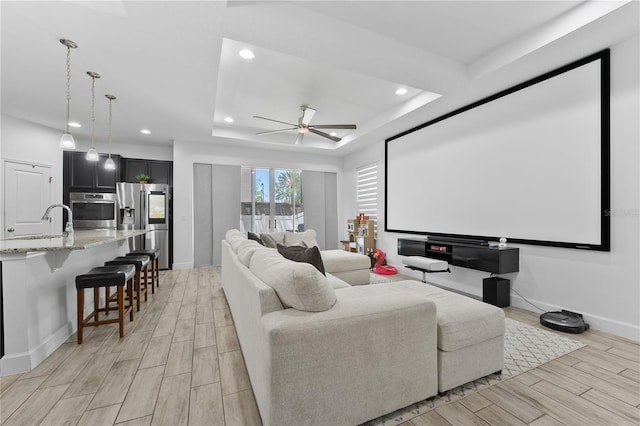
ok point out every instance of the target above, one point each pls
(530, 163)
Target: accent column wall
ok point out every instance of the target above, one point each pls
(319, 194)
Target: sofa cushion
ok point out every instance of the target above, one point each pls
(462, 321)
(298, 285)
(309, 255)
(232, 233)
(336, 282)
(272, 239)
(235, 242)
(293, 238)
(341, 261)
(245, 251)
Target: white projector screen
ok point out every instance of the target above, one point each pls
(530, 163)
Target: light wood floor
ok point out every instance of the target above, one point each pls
(180, 363)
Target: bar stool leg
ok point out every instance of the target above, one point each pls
(121, 309)
(157, 263)
(137, 285)
(153, 281)
(96, 302)
(80, 313)
(130, 293)
(146, 282)
(153, 276)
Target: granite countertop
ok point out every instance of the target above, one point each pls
(79, 241)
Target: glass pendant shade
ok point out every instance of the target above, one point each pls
(110, 164)
(67, 141)
(92, 154)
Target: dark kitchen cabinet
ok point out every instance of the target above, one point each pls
(132, 167)
(81, 175)
(160, 172)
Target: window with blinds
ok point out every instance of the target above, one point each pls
(367, 191)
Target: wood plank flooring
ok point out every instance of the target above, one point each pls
(180, 364)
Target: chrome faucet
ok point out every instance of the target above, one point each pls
(68, 228)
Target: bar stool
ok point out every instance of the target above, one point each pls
(105, 276)
(154, 255)
(141, 264)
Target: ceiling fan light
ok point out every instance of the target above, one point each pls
(92, 154)
(67, 141)
(303, 130)
(110, 164)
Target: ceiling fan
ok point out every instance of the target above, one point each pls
(303, 126)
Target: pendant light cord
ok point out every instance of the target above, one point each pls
(93, 107)
(110, 100)
(68, 97)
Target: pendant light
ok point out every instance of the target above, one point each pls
(110, 164)
(92, 154)
(66, 141)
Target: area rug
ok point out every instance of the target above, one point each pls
(525, 347)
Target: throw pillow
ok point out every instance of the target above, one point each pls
(298, 285)
(308, 237)
(300, 254)
(254, 237)
(268, 241)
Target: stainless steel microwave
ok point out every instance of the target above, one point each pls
(93, 210)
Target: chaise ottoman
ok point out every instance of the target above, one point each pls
(353, 268)
(470, 335)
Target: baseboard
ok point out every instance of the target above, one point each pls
(25, 361)
(596, 322)
(183, 265)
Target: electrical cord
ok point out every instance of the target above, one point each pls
(525, 299)
(521, 296)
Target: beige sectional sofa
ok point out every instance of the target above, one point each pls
(320, 351)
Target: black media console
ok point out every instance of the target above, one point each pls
(472, 255)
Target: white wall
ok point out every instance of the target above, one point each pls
(605, 287)
(185, 154)
(31, 143)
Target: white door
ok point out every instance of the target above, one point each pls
(27, 194)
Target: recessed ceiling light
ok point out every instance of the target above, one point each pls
(145, 131)
(333, 134)
(228, 119)
(246, 54)
(74, 124)
(401, 91)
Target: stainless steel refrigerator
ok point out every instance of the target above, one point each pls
(146, 206)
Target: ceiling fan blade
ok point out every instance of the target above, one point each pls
(271, 119)
(276, 131)
(334, 126)
(307, 115)
(326, 135)
(299, 138)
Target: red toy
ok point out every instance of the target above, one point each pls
(379, 268)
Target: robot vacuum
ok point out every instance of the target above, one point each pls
(566, 321)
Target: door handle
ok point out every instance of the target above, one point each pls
(10, 230)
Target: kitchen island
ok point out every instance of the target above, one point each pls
(38, 290)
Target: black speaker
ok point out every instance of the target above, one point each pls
(496, 291)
